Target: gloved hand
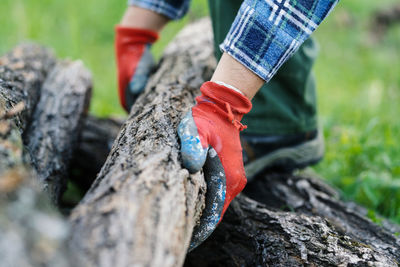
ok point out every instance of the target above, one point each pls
(134, 62)
(209, 136)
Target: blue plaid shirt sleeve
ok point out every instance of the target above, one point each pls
(266, 33)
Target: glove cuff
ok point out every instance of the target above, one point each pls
(127, 35)
(222, 95)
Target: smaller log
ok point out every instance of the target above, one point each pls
(53, 133)
(306, 193)
(296, 220)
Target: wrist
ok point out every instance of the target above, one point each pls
(232, 72)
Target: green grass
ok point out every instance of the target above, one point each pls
(359, 92)
(358, 81)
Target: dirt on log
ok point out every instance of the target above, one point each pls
(143, 206)
(56, 122)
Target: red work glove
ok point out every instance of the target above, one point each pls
(211, 131)
(134, 62)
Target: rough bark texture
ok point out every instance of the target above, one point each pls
(95, 141)
(143, 206)
(316, 230)
(32, 232)
(57, 120)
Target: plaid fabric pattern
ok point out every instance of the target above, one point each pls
(266, 33)
(173, 9)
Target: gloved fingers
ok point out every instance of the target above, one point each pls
(138, 80)
(192, 152)
(142, 72)
(215, 197)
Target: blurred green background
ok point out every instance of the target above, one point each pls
(358, 81)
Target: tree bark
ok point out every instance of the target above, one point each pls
(57, 120)
(143, 206)
(317, 229)
(32, 232)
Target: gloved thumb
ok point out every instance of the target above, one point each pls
(192, 152)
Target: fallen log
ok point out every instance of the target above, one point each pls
(56, 122)
(32, 232)
(143, 206)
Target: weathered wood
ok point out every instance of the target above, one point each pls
(32, 233)
(57, 120)
(143, 206)
(96, 139)
(317, 229)
(306, 193)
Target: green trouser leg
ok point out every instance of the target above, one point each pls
(287, 103)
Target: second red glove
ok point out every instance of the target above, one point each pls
(134, 62)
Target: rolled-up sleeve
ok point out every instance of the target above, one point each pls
(266, 33)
